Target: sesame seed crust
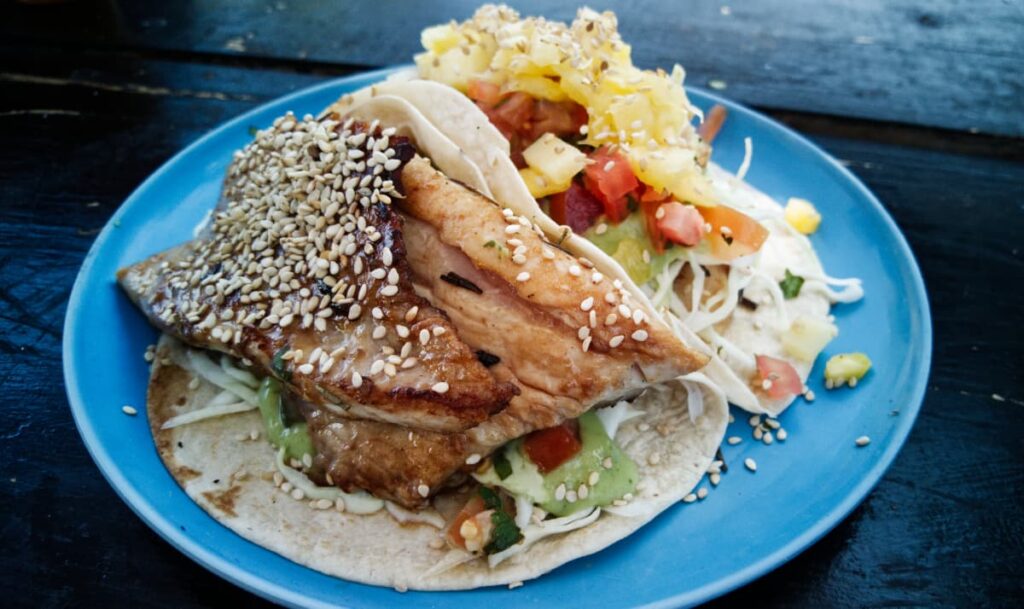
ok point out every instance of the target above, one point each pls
(292, 261)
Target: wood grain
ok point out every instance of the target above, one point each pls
(943, 528)
(942, 63)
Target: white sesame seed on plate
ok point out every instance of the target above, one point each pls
(863, 441)
(512, 229)
(754, 421)
(781, 435)
(715, 479)
(734, 440)
(129, 410)
(750, 464)
(702, 493)
(441, 387)
(690, 498)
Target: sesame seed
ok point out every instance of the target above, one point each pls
(734, 440)
(754, 421)
(583, 332)
(601, 229)
(129, 410)
(575, 271)
(297, 494)
(586, 344)
(639, 336)
(781, 435)
(523, 277)
(609, 166)
(758, 433)
(402, 331)
(389, 290)
(357, 380)
(593, 479)
(689, 498)
(571, 496)
(441, 387)
(519, 259)
(702, 493)
(354, 311)
(305, 369)
(410, 315)
(560, 492)
(596, 277)
(715, 479)
(307, 460)
(473, 459)
(607, 463)
(863, 441)
(588, 303)
(611, 319)
(768, 439)
(773, 423)
(750, 464)
(438, 330)
(423, 490)
(424, 336)
(583, 492)
(654, 458)
(376, 367)
(379, 332)
(616, 341)
(512, 229)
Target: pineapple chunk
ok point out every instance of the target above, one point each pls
(801, 215)
(540, 186)
(806, 338)
(846, 369)
(440, 38)
(552, 158)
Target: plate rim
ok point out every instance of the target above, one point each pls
(275, 592)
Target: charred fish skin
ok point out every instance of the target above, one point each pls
(302, 274)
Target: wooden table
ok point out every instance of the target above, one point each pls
(924, 101)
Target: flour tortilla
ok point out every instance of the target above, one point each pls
(231, 477)
(461, 121)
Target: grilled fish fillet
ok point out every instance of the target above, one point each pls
(567, 337)
(304, 276)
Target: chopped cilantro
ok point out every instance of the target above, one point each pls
(791, 285)
(501, 465)
(279, 364)
(491, 499)
(504, 534)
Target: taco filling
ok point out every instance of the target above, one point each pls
(411, 345)
(620, 156)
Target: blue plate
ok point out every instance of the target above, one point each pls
(747, 526)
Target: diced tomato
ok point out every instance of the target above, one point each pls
(551, 447)
(562, 119)
(474, 506)
(611, 179)
(576, 208)
(783, 380)
(733, 233)
(650, 200)
(680, 223)
(483, 92)
(712, 123)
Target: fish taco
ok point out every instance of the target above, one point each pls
(379, 364)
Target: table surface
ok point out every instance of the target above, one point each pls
(924, 101)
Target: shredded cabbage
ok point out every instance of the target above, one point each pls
(403, 515)
(208, 412)
(612, 417)
(203, 366)
(535, 532)
(748, 155)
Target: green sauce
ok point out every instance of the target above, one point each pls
(526, 479)
(293, 439)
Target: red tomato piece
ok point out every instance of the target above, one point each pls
(680, 223)
(610, 179)
(782, 379)
(577, 208)
(650, 201)
(560, 118)
(474, 506)
(733, 233)
(551, 447)
(486, 93)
